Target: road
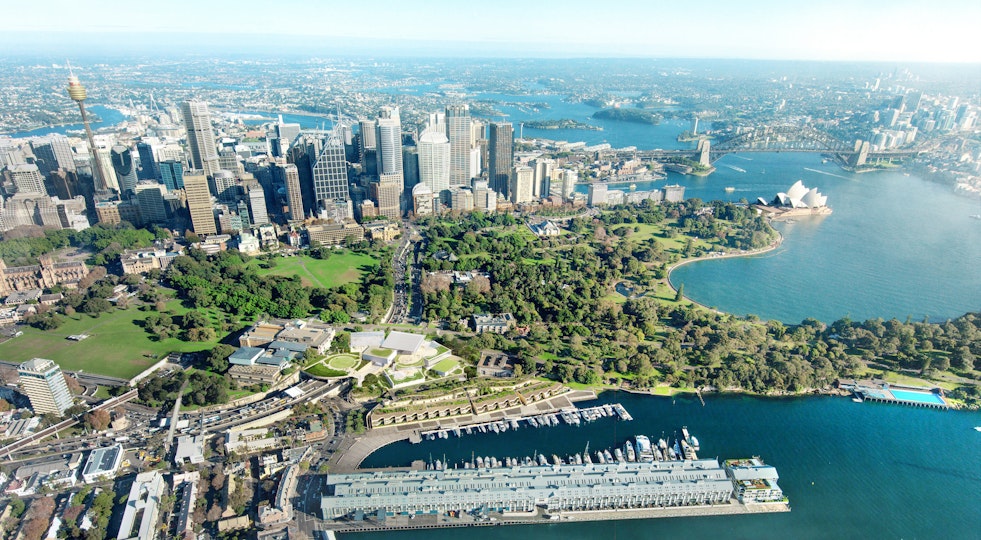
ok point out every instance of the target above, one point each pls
(399, 312)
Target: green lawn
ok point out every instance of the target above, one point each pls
(118, 347)
(340, 268)
(342, 361)
(446, 365)
(320, 370)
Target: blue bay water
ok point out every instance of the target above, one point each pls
(107, 117)
(896, 245)
(850, 470)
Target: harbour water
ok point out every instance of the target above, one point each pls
(107, 117)
(851, 470)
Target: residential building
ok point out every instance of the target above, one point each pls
(44, 384)
(501, 157)
(199, 203)
(521, 185)
(142, 508)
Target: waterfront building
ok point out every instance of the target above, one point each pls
(460, 135)
(434, 160)
(674, 193)
(200, 137)
(199, 203)
(563, 183)
(611, 486)
(142, 507)
(754, 481)
(597, 194)
(521, 185)
(286, 133)
(501, 157)
(44, 384)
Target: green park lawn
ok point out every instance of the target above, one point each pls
(118, 346)
(342, 361)
(338, 269)
(446, 365)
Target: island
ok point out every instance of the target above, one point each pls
(564, 123)
(638, 116)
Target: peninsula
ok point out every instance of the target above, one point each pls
(564, 123)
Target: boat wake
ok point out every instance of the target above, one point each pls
(827, 173)
(737, 169)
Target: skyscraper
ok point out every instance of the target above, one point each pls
(521, 185)
(148, 163)
(199, 203)
(387, 192)
(459, 133)
(44, 383)
(366, 139)
(257, 203)
(388, 141)
(200, 137)
(330, 172)
(172, 174)
(53, 152)
(434, 160)
(77, 94)
(294, 197)
(122, 162)
(150, 197)
(501, 156)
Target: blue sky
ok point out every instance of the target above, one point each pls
(896, 30)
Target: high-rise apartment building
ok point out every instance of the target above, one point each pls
(199, 202)
(200, 136)
(44, 383)
(460, 135)
(257, 203)
(434, 160)
(521, 185)
(294, 196)
(501, 156)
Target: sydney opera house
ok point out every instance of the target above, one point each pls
(797, 201)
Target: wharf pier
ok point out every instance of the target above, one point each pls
(883, 392)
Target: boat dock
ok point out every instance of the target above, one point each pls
(571, 416)
(880, 391)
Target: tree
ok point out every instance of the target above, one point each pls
(217, 359)
(680, 295)
(98, 420)
(962, 358)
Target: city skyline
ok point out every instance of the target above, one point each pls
(870, 30)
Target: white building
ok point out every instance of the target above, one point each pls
(434, 160)
(143, 505)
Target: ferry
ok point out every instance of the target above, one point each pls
(730, 189)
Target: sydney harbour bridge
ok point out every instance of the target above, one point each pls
(783, 138)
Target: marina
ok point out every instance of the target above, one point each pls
(568, 416)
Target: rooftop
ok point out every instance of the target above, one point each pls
(404, 342)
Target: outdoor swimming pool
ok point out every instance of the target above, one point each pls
(917, 397)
